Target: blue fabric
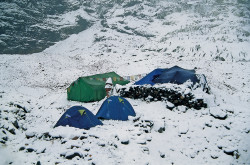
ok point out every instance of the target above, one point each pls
(175, 75)
(79, 117)
(115, 108)
(148, 79)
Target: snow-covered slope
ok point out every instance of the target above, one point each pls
(130, 38)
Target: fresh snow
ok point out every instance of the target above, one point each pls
(33, 93)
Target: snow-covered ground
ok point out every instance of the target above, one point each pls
(33, 92)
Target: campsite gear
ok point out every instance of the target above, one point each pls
(109, 81)
(108, 92)
(109, 87)
(78, 117)
(115, 108)
(149, 78)
(92, 88)
(176, 75)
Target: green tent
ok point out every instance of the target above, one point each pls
(91, 88)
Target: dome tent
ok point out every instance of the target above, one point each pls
(92, 88)
(78, 117)
(149, 78)
(115, 108)
(175, 75)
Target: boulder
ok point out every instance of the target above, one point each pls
(218, 113)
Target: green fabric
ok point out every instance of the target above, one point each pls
(91, 88)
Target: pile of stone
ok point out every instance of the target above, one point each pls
(12, 121)
(176, 96)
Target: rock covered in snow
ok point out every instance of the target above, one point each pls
(30, 134)
(171, 93)
(218, 113)
(170, 105)
(182, 108)
(159, 126)
(183, 128)
(72, 154)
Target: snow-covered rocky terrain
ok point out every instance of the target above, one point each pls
(131, 38)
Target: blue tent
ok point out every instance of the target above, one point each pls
(150, 77)
(79, 117)
(115, 108)
(176, 75)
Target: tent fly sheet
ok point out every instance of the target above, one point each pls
(91, 88)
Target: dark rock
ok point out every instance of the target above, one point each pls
(30, 149)
(162, 155)
(102, 145)
(145, 150)
(233, 153)
(208, 125)
(21, 148)
(60, 137)
(94, 136)
(136, 125)
(43, 151)
(142, 143)
(229, 152)
(5, 138)
(75, 138)
(117, 137)
(214, 156)
(2, 141)
(228, 128)
(62, 154)
(136, 119)
(15, 124)
(237, 155)
(12, 131)
(28, 136)
(46, 135)
(74, 146)
(38, 163)
(21, 107)
(218, 58)
(83, 137)
(161, 129)
(149, 123)
(71, 156)
(125, 142)
(218, 113)
(219, 117)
